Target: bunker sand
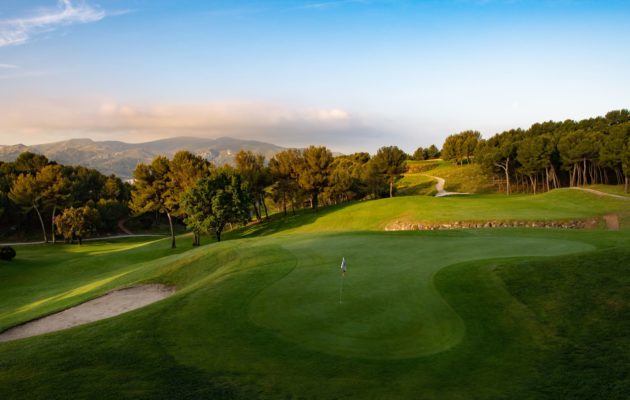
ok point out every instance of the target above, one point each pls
(113, 303)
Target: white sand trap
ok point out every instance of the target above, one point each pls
(112, 304)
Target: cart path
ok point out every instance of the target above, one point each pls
(439, 186)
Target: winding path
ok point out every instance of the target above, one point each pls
(600, 193)
(439, 186)
(86, 240)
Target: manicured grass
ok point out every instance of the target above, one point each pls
(563, 204)
(488, 314)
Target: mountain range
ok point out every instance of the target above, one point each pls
(120, 158)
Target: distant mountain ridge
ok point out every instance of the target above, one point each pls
(120, 158)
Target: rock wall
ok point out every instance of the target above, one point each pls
(422, 226)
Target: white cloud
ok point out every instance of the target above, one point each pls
(8, 66)
(19, 30)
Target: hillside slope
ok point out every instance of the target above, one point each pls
(120, 158)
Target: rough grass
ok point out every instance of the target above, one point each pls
(466, 178)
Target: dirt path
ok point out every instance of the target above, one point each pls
(600, 193)
(112, 304)
(87, 240)
(439, 186)
(123, 228)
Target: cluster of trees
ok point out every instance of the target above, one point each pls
(428, 153)
(551, 154)
(208, 198)
(461, 147)
(34, 190)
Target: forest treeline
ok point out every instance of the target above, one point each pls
(77, 202)
(35, 191)
(551, 154)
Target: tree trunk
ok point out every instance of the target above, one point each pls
(217, 233)
(284, 203)
(314, 201)
(170, 223)
(547, 177)
(52, 224)
(262, 201)
(196, 239)
(625, 186)
(80, 240)
(584, 172)
(391, 187)
(257, 210)
(41, 221)
(533, 181)
(507, 179)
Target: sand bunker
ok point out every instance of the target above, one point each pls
(109, 305)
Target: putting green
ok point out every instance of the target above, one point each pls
(390, 307)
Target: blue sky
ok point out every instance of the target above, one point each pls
(352, 75)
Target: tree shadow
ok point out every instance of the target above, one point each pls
(279, 222)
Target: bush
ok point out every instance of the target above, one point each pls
(7, 253)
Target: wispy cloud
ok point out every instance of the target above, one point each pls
(38, 120)
(8, 66)
(18, 31)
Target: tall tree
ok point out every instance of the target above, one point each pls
(27, 194)
(30, 163)
(77, 223)
(499, 153)
(432, 152)
(185, 170)
(253, 171)
(214, 202)
(391, 163)
(151, 192)
(55, 192)
(461, 146)
(284, 171)
(314, 171)
(420, 154)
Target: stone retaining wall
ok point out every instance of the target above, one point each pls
(421, 226)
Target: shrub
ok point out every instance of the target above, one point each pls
(7, 253)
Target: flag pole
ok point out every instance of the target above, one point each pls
(343, 274)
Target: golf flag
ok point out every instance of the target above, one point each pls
(343, 265)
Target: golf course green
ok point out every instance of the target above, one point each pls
(462, 314)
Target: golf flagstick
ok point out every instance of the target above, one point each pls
(343, 275)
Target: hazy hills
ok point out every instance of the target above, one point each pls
(120, 158)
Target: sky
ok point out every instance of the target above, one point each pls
(353, 75)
